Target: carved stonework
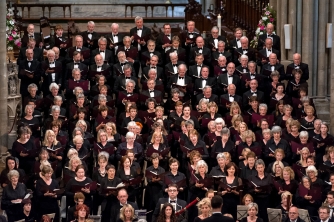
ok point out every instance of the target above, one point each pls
(13, 101)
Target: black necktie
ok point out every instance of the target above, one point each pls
(181, 77)
(122, 64)
(101, 51)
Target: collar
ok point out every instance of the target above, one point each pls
(169, 200)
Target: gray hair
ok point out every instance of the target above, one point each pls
(127, 66)
(76, 70)
(28, 106)
(207, 87)
(77, 88)
(251, 205)
(303, 134)
(312, 168)
(76, 138)
(13, 173)
(90, 23)
(102, 97)
(130, 81)
(129, 134)
(55, 108)
(50, 52)
(225, 131)
(138, 18)
(214, 28)
(131, 124)
(244, 57)
(102, 39)
(80, 95)
(172, 54)
(152, 70)
(221, 42)
(263, 105)
(189, 122)
(57, 98)
(182, 66)
(220, 155)
(78, 129)
(201, 163)
(174, 90)
(115, 24)
(120, 53)
(244, 38)
(276, 129)
(103, 153)
(32, 85)
(259, 162)
(53, 85)
(220, 120)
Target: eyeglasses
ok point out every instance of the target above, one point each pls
(172, 190)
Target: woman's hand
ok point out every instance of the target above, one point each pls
(86, 190)
(24, 154)
(199, 184)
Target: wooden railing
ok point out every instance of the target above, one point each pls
(167, 15)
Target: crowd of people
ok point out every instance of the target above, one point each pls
(176, 125)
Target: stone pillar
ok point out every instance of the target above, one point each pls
(3, 80)
(293, 21)
(307, 38)
(283, 17)
(322, 55)
(331, 104)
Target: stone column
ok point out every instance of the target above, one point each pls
(283, 17)
(331, 104)
(322, 55)
(3, 80)
(307, 38)
(293, 21)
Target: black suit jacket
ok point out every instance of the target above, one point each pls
(210, 81)
(38, 54)
(70, 66)
(210, 43)
(264, 53)
(302, 66)
(104, 67)
(218, 217)
(132, 53)
(146, 32)
(160, 73)
(145, 56)
(278, 67)
(193, 71)
(109, 56)
(120, 84)
(276, 42)
(25, 80)
(157, 93)
(247, 77)
(181, 52)
(119, 43)
(87, 42)
(215, 55)
(25, 39)
(169, 68)
(184, 36)
(226, 96)
(250, 53)
(69, 55)
(117, 70)
(187, 81)
(213, 98)
(206, 53)
(47, 77)
(222, 83)
(233, 44)
(180, 204)
(116, 208)
(160, 41)
(248, 94)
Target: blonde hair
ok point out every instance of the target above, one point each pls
(290, 170)
(204, 201)
(75, 158)
(247, 134)
(101, 131)
(48, 133)
(233, 106)
(235, 118)
(242, 123)
(122, 211)
(157, 134)
(280, 165)
(112, 126)
(71, 152)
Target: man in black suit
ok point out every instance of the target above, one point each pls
(27, 78)
(195, 70)
(181, 81)
(152, 74)
(131, 53)
(200, 49)
(188, 37)
(230, 96)
(203, 81)
(220, 52)
(212, 41)
(107, 55)
(76, 63)
(269, 34)
(31, 35)
(297, 64)
(141, 31)
(100, 66)
(172, 199)
(147, 55)
(244, 50)
(251, 74)
(324, 214)
(181, 52)
(272, 66)
(171, 67)
(51, 72)
(252, 92)
(242, 68)
(120, 83)
(118, 66)
(164, 41)
(115, 38)
(217, 204)
(293, 215)
(153, 65)
(263, 57)
(122, 197)
(235, 42)
(78, 47)
(76, 77)
(208, 95)
(38, 52)
(226, 79)
(90, 37)
(221, 67)
(151, 93)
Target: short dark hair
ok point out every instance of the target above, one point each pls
(330, 193)
(216, 202)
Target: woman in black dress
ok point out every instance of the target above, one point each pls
(10, 165)
(167, 214)
(31, 121)
(127, 214)
(45, 195)
(99, 174)
(103, 144)
(230, 195)
(79, 180)
(12, 195)
(252, 210)
(176, 177)
(81, 213)
(55, 150)
(204, 209)
(130, 144)
(222, 144)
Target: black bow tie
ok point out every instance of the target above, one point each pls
(238, 40)
(252, 74)
(168, 35)
(52, 63)
(200, 49)
(296, 66)
(204, 78)
(139, 29)
(122, 63)
(29, 60)
(78, 48)
(190, 33)
(269, 50)
(230, 76)
(245, 50)
(115, 35)
(153, 67)
(253, 91)
(172, 201)
(151, 91)
(199, 65)
(76, 63)
(181, 77)
(126, 49)
(175, 65)
(99, 67)
(31, 36)
(269, 35)
(101, 51)
(231, 96)
(129, 94)
(127, 77)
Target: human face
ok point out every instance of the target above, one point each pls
(30, 54)
(253, 85)
(126, 163)
(310, 162)
(127, 213)
(51, 57)
(27, 207)
(305, 154)
(296, 59)
(174, 166)
(196, 159)
(155, 162)
(51, 138)
(277, 136)
(243, 62)
(99, 60)
(330, 198)
(175, 44)
(102, 45)
(31, 29)
(230, 68)
(293, 213)
(221, 47)
(280, 89)
(48, 175)
(191, 26)
(238, 34)
(306, 183)
(150, 85)
(221, 162)
(193, 138)
(252, 212)
(90, 27)
(122, 56)
(279, 156)
(231, 171)
(33, 91)
(111, 172)
(323, 129)
(80, 173)
(262, 111)
(278, 169)
(249, 140)
(247, 200)
(287, 112)
(139, 23)
(201, 169)
(29, 111)
(11, 164)
(270, 29)
(59, 32)
(297, 76)
(77, 57)
(151, 46)
(78, 144)
(168, 211)
(130, 87)
(303, 139)
(200, 42)
(14, 180)
(131, 156)
(286, 175)
(205, 72)
(82, 213)
(186, 111)
(222, 61)
(103, 137)
(172, 192)
(212, 109)
(260, 168)
(207, 93)
(244, 43)
(273, 59)
(205, 209)
(242, 128)
(157, 139)
(266, 136)
(78, 42)
(323, 214)
(311, 174)
(199, 59)
(269, 43)
(264, 125)
(167, 29)
(122, 196)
